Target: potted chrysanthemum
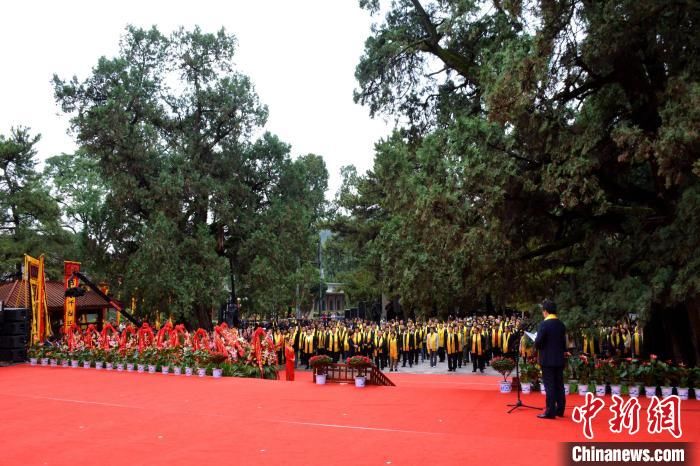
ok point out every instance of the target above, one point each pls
(201, 358)
(359, 363)
(33, 353)
(217, 361)
(320, 365)
(503, 366)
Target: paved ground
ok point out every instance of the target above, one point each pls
(441, 368)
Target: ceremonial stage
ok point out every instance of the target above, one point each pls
(61, 416)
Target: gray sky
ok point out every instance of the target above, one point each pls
(300, 54)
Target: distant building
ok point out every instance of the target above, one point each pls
(89, 307)
(332, 301)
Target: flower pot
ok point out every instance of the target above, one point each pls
(99, 365)
(177, 370)
(360, 381)
(120, 367)
(151, 368)
(86, 364)
(130, 367)
(65, 363)
(165, 369)
(650, 391)
(526, 387)
(567, 389)
(320, 379)
(54, 363)
(32, 361)
(505, 386)
(75, 363)
(542, 389)
(141, 368)
(599, 390)
(109, 366)
(217, 373)
(634, 391)
(666, 391)
(201, 372)
(44, 361)
(188, 371)
(582, 389)
(616, 389)
(683, 393)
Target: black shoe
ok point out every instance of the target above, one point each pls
(544, 416)
(560, 415)
(482, 371)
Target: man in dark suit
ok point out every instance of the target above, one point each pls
(551, 344)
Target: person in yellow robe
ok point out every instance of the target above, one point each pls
(479, 343)
(453, 349)
(393, 344)
(431, 343)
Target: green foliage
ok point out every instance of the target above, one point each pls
(29, 216)
(178, 198)
(547, 148)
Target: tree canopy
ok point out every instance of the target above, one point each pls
(544, 149)
(195, 203)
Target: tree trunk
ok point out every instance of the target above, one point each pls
(672, 333)
(202, 317)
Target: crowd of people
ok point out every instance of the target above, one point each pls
(469, 342)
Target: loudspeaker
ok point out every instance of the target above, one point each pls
(13, 355)
(14, 328)
(14, 341)
(17, 314)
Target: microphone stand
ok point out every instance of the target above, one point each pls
(518, 403)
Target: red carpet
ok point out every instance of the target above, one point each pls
(57, 416)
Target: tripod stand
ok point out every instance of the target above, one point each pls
(518, 403)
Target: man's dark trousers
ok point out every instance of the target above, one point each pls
(553, 379)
